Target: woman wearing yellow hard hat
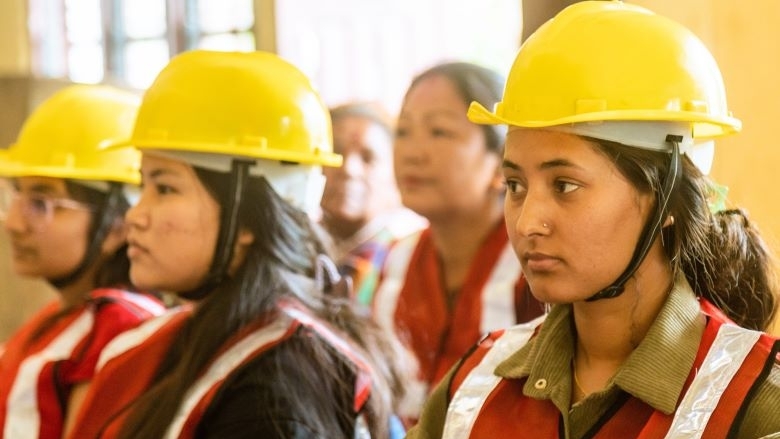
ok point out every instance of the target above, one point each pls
(657, 302)
(233, 145)
(63, 208)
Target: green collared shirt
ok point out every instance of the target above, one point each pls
(655, 372)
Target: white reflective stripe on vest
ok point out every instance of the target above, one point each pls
(728, 351)
(23, 417)
(143, 301)
(498, 294)
(226, 363)
(134, 337)
(724, 358)
(393, 279)
(480, 382)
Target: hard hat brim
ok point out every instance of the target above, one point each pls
(703, 126)
(321, 158)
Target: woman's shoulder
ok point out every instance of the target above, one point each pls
(295, 386)
(316, 363)
(761, 415)
(142, 304)
(117, 311)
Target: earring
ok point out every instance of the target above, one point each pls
(545, 225)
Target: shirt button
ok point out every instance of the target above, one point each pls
(541, 383)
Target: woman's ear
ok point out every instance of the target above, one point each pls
(244, 240)
(669, 221)
(245, 237)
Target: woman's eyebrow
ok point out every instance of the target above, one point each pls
(550, 164)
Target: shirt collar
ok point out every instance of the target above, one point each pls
(655, 372)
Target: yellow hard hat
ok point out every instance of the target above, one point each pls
(609, 61)
(238, 104)
(70, 136)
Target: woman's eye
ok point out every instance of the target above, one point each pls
(163, 189)
(440, 132)
(39, 204)
(513, 186)
(564, 187)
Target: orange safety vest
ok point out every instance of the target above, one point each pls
(126, 376)
(486, 406)
(36, 377)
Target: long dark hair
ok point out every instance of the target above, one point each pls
(115, 271)
(722, 254)
(282, 262)
(474, 83)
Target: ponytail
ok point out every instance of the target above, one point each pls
(739, 279)
(723, 255)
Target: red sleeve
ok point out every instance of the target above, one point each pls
(111, 319)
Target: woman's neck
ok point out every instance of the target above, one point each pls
(77, 291)
(457, 240)
(342, 230)
(608, 330)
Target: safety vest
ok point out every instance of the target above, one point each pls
(127, 375)
(484, 405)
(411, 303)
(36, 375)
(125, 370)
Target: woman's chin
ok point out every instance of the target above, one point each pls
(556, 294)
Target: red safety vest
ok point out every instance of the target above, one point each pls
(126, 376)
(411, 302)
(474, 413)
(36, 377)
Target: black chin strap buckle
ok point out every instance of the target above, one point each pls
(607, 293)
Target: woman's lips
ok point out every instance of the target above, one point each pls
(539, 262)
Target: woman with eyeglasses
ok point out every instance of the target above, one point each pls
(62, 206)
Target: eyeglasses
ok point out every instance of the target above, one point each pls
(37, 209)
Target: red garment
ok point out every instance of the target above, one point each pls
(506, 408)
(123, 377)
(412, 300)
(37, 375)
(126, 376)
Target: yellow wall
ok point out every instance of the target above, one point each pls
(14, 43)
(745, 40)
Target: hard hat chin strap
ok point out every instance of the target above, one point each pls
(228, 230)
(652, 227)
(105, 220)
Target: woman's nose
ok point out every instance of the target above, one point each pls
(530, 218)
(137, 215)
(14, 220)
